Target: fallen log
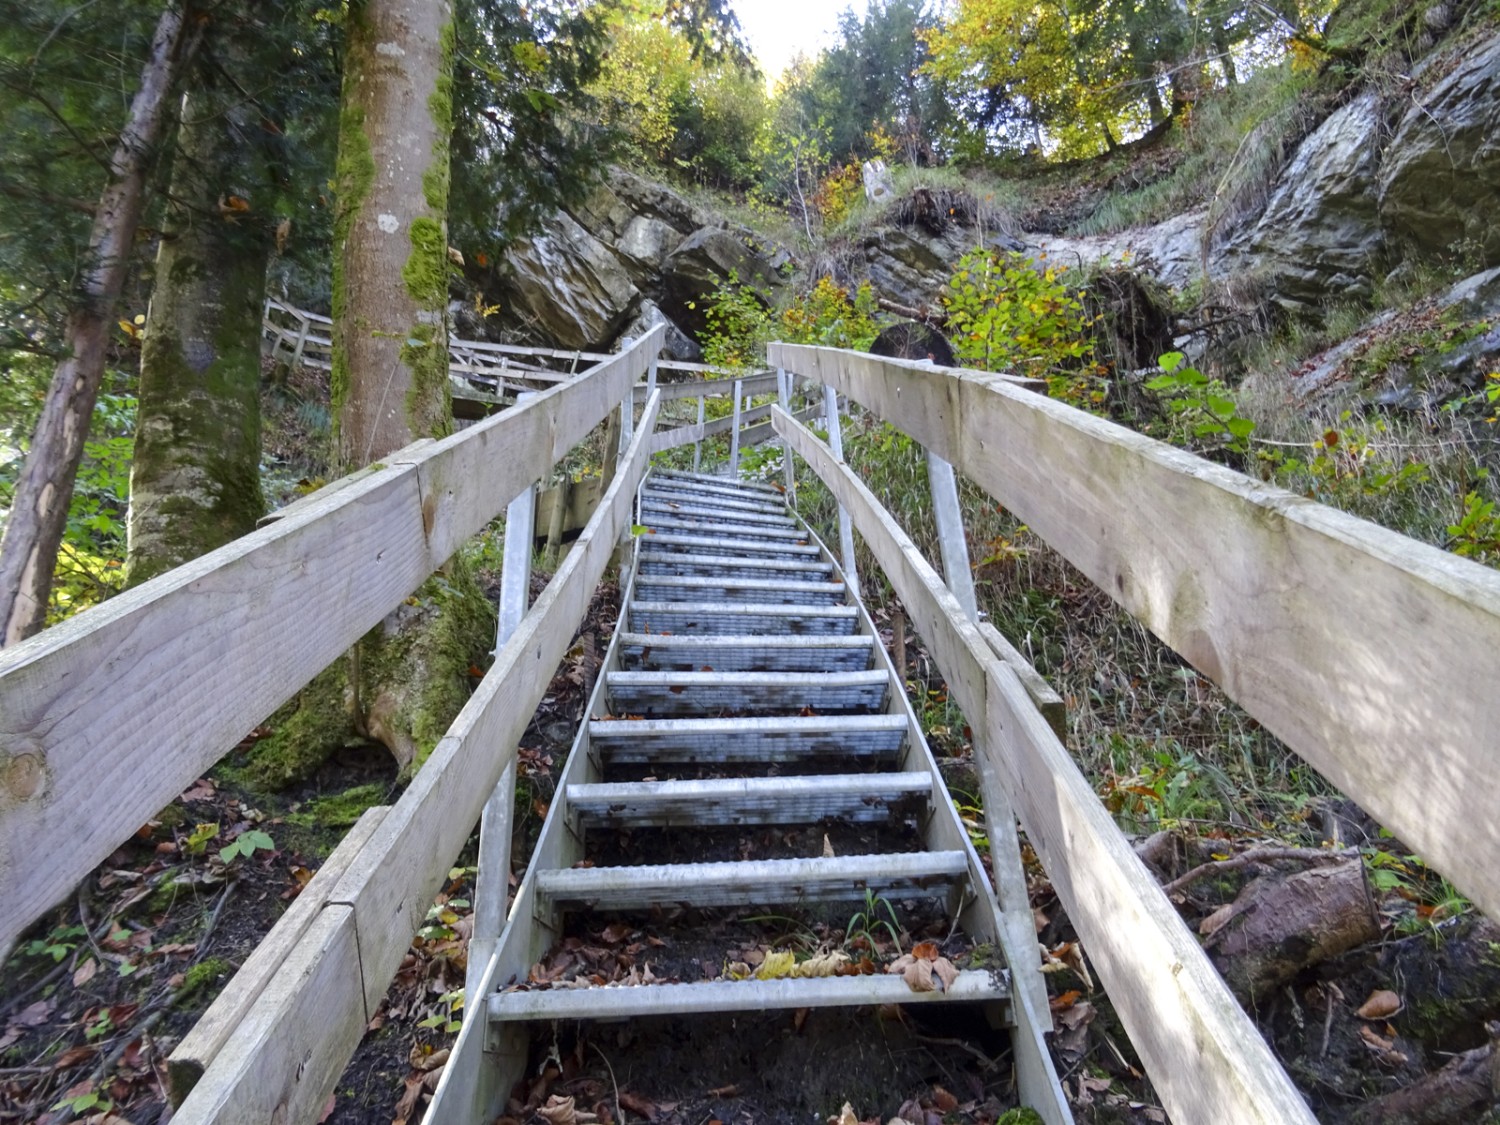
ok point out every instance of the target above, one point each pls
(1468, 1084)
(1281, 924)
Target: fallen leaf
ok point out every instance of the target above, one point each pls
(943, 1100)
(561, 1111)
(615, 932)
(925, 951)
(1381, 1004)
(637, 1104)
(85, 973)
(845, 1117)
(1065, 1001)
(202, 790)
(731, 1091)
(34, 1015)
(946, 971)
(918, 977)
(827, 847)
(74, 1055)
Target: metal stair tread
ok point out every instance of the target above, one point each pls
(729, 528)
(824, 878)
(750, 800)
(703, 997)
(672, 539)
(690, 582)
(715, 481)
(674, 562)
(673, 495)
(751, 652)
(687, 507)
(690, 680)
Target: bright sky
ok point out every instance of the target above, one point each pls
(778, 30)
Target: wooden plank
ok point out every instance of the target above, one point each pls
(469, 477)
(285, 1057)
(202, 1044)
(1047, 701)
(1372, 656)
(754, 435)
(582, 498)
(107, 716)
(1205, 1058)
(762, 384)
(385, 893)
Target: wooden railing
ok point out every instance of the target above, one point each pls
(1372, 656)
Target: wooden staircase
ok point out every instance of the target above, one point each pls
(744, 687)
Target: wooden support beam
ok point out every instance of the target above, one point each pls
(103, 718)
(1205, 1058)
(1371, 655)
(345, 964)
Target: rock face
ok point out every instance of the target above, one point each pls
(1440, 180)
(1320, 233)
(632, 254)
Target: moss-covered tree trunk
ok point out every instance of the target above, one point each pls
(390, 287)
(408, 678)
(195, 479)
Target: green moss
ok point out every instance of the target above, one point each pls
(339, 810)
(306, 731)
(204, 975)
(354, 176)
(440, 106)
(426, 269)
(1022, 1115)
(429, 407)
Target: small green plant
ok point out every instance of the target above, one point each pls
(449, 1015)
(57, 945)
(1203, 414)
(827, 315)
(247, 844)
(199, 838)
(1476, 535)
(1007, 315)
(876, 915)
(90, 1100)
(100, 1026)
(738, 325)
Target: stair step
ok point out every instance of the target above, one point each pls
(728, 653)
(680, 618)
(710, 693)
(728, 566)
(780, 738)
(723, 529)
(673, 495)
(751, 800)
(972, 986)
(708, 480)
(755, 882)
(697, 544)
(662, 588)
(710, 510)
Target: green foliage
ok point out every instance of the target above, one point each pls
(828, 316)
(875, 917)
(57, 944)
(247, 844)
(1203, 414)
(1006, 315)
(682, 109)
(738, 325)
(1476, 535)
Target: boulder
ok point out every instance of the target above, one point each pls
(707, 258)
(910, 267)
(567, 286)
(646, 243)
(1439, 187)
(1171, 250)
(679, 345)
(1320, 233)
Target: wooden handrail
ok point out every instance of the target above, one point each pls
(106, 717)
(1206, 1059)
(289, 1049)
(1371, 655)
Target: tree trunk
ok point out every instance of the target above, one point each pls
(390, 287)
(39, 511)
(195, 480)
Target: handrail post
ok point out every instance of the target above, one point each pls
(734, 434)
(784, 393)
(846, 529)
(950, 528)
(492, 882)
(627, 408)
(698, 445)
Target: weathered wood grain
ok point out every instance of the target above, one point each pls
(1371, 655)
(1205, 1058)
(106, 717)
(383, 896)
